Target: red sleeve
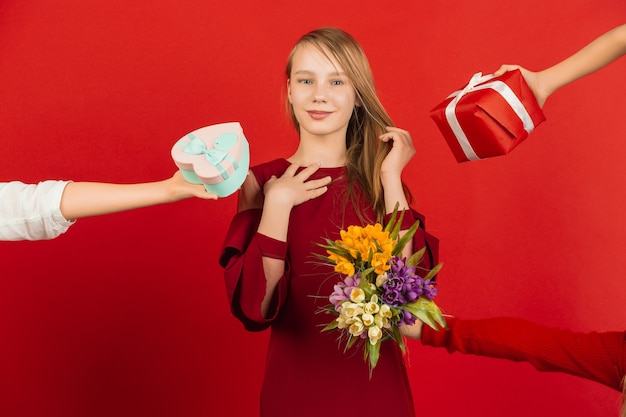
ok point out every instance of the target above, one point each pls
(242, 260)
(422, 238)
(598, 356)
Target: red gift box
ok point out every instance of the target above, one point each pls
(489, 117)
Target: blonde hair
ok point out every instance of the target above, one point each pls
(622, 411)
(365, 152)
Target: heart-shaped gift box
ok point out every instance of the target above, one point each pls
(217, 156)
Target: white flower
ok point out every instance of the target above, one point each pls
(385, 311)
(372, 307)
(374, 333)
(350, 310)
(356, 328)
(357, 295)
(380, 279)
(368, 319)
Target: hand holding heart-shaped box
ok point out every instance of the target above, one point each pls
(217, 156)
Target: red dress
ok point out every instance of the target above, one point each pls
(599, 356)
(307, 372)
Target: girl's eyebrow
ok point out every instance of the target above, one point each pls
(308, 72)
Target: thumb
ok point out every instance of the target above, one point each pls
(203, 193)
(505, 68)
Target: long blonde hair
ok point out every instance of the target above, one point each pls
(622, 410)
(365, 152)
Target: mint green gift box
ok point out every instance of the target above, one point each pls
(217, 156)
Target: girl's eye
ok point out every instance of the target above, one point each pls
(305, 81)
(336, 82)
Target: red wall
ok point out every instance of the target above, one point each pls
(125, 315)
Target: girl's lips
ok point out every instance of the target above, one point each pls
(318, 115)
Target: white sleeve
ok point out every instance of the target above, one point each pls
(32, 212)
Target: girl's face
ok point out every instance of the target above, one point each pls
(320, 93)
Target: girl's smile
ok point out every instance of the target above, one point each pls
(318, 114)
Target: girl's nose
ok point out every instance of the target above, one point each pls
(320, 93)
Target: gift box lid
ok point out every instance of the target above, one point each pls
(212, 152)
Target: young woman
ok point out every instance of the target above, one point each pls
(47, 209)
(346, 171)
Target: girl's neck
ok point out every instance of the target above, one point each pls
(330, 153)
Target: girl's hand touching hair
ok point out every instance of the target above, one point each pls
(402, 151)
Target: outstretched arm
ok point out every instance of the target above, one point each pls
(47, 209)
(598, 356)
(597, 54)
(84, 199)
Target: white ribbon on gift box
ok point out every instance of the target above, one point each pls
(501, 88)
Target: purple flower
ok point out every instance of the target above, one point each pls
(343, 289)
(430, 289)
(393, 297)
(407, 318)
(403, 285)
(394, 282)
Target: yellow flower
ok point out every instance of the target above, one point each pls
(346, 268)
(342, 265)
(380, 261)
(361, 241)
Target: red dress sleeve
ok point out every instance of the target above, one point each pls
(242, 260)
(598, 356)
(422, 238)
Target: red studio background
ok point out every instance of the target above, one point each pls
(126, 314)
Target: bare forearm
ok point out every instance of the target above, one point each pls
(594, 56)
(83, 199)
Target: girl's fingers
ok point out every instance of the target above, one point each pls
(291, 170)
(308, 171)
(319, 183)
(395, 134)
(317, 192)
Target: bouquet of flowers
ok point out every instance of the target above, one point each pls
(382, 290)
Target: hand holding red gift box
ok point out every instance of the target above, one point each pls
(217, 156)
(489, 117)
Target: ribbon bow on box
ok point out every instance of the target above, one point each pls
(217, 156)
(489, 117)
